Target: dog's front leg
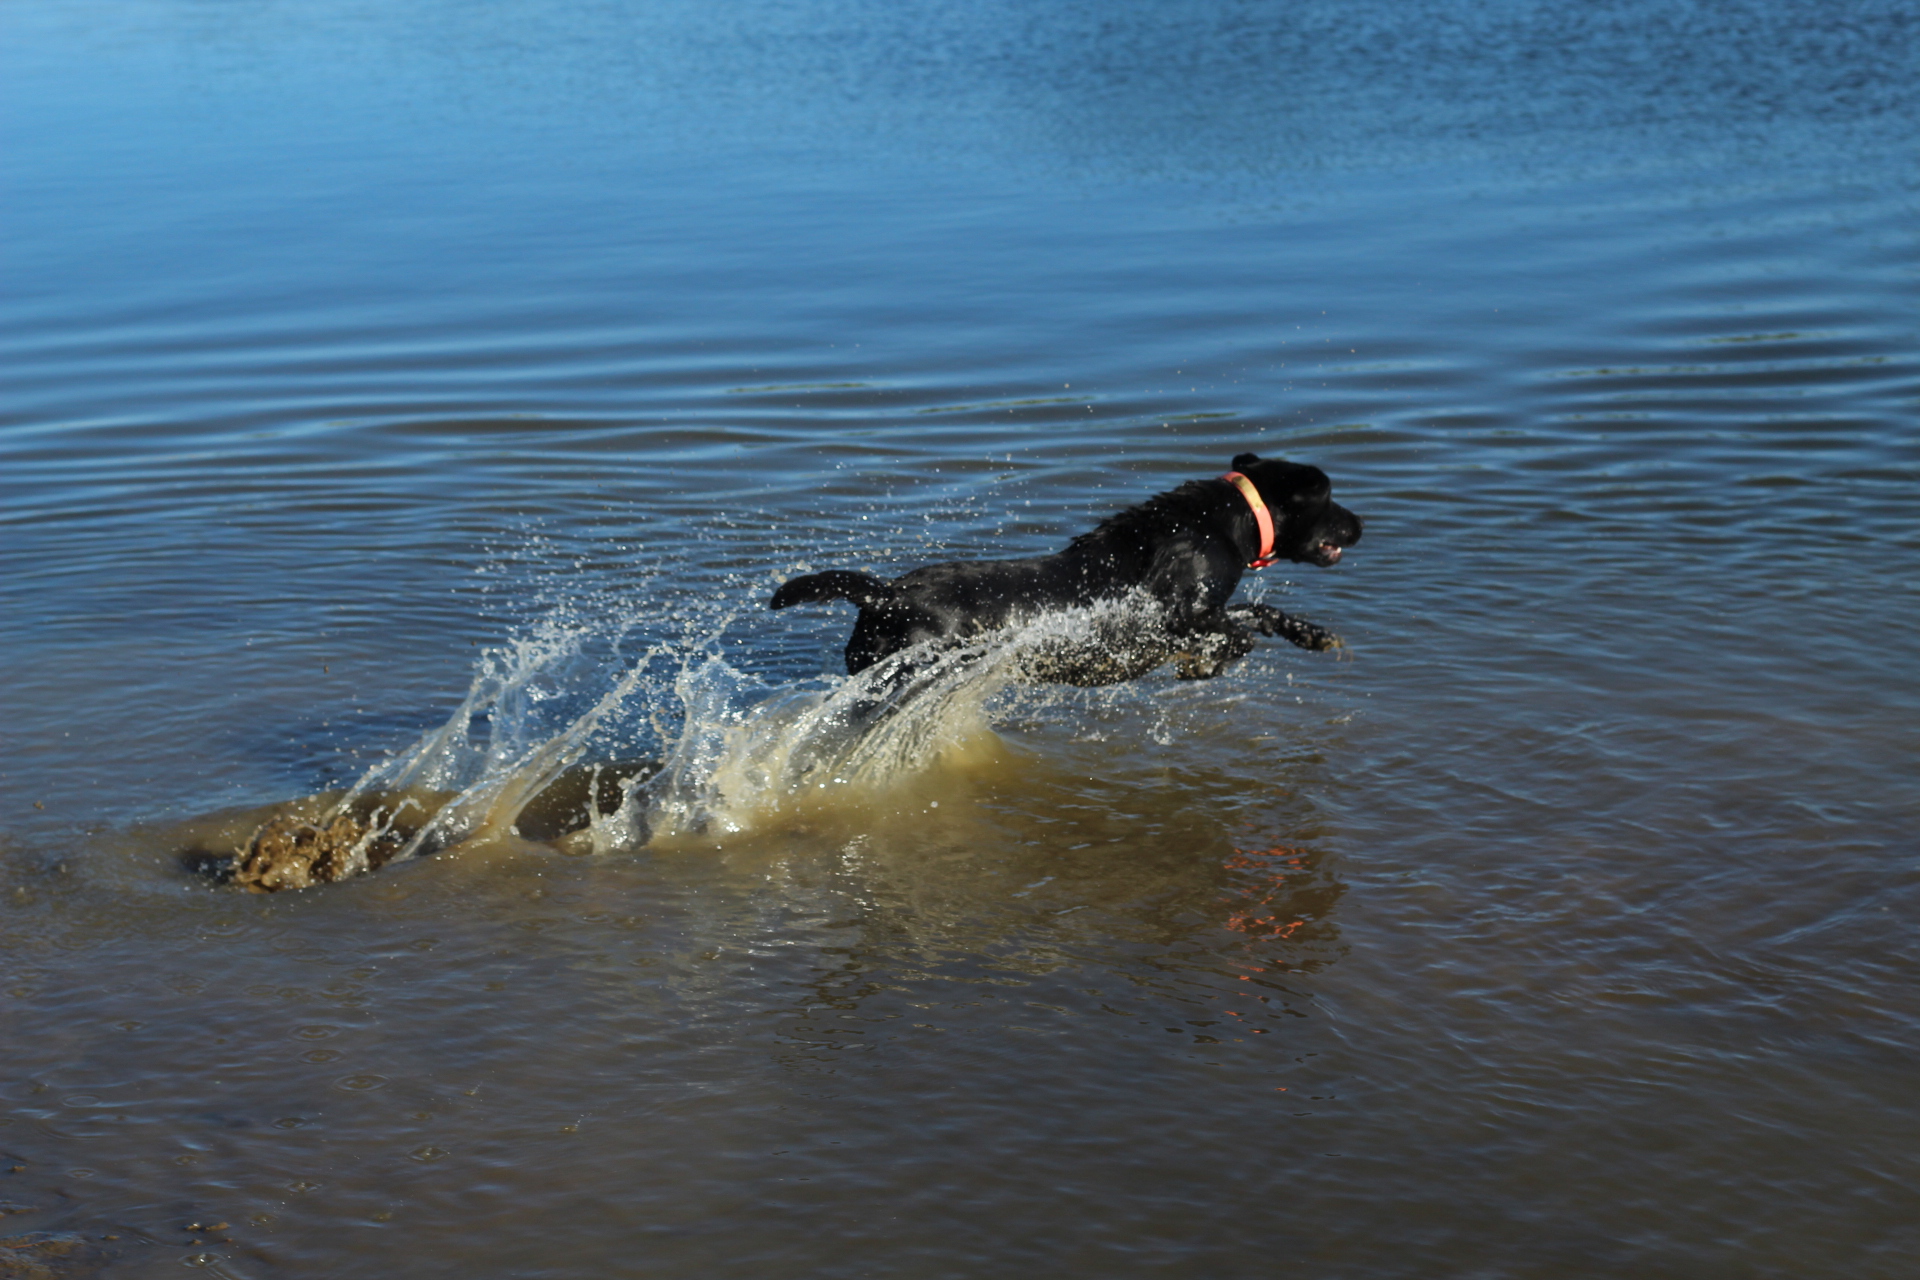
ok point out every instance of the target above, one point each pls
(1205, 654)
(1269, 621)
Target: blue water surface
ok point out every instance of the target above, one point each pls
(1564, 929)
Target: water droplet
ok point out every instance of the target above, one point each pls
(316, 1032)
(360, 1083)
(320, 1055)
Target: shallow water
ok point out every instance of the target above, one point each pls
(355, 358)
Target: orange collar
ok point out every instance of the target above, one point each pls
(1261, 517)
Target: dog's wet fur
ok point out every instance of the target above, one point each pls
(1178, 556)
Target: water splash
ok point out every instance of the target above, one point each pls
(746, 753)
(727, 751)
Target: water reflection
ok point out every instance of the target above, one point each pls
(1003, 857)
(1026, 880)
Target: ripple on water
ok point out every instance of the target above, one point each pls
(1559, 931)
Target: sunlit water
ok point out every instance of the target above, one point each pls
(430, 397)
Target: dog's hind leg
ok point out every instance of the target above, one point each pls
(1269, 621)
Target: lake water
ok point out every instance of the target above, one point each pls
(374, 369)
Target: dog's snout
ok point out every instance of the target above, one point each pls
(1340, 527)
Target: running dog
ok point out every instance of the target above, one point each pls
(1177, 556)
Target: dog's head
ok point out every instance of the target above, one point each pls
(1308, 525)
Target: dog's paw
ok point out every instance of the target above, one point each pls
(1307, 636)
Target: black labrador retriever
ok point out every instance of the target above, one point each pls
(1176, 558)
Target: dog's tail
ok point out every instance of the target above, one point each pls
(835, 584)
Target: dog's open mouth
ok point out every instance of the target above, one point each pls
(1327, 553)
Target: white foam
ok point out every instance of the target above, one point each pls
(734, 751)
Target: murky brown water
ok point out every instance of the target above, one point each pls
(360, 364)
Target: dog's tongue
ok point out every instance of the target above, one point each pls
(1331, 552)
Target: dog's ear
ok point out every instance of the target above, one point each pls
(1241, 461)
(1313, 488)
